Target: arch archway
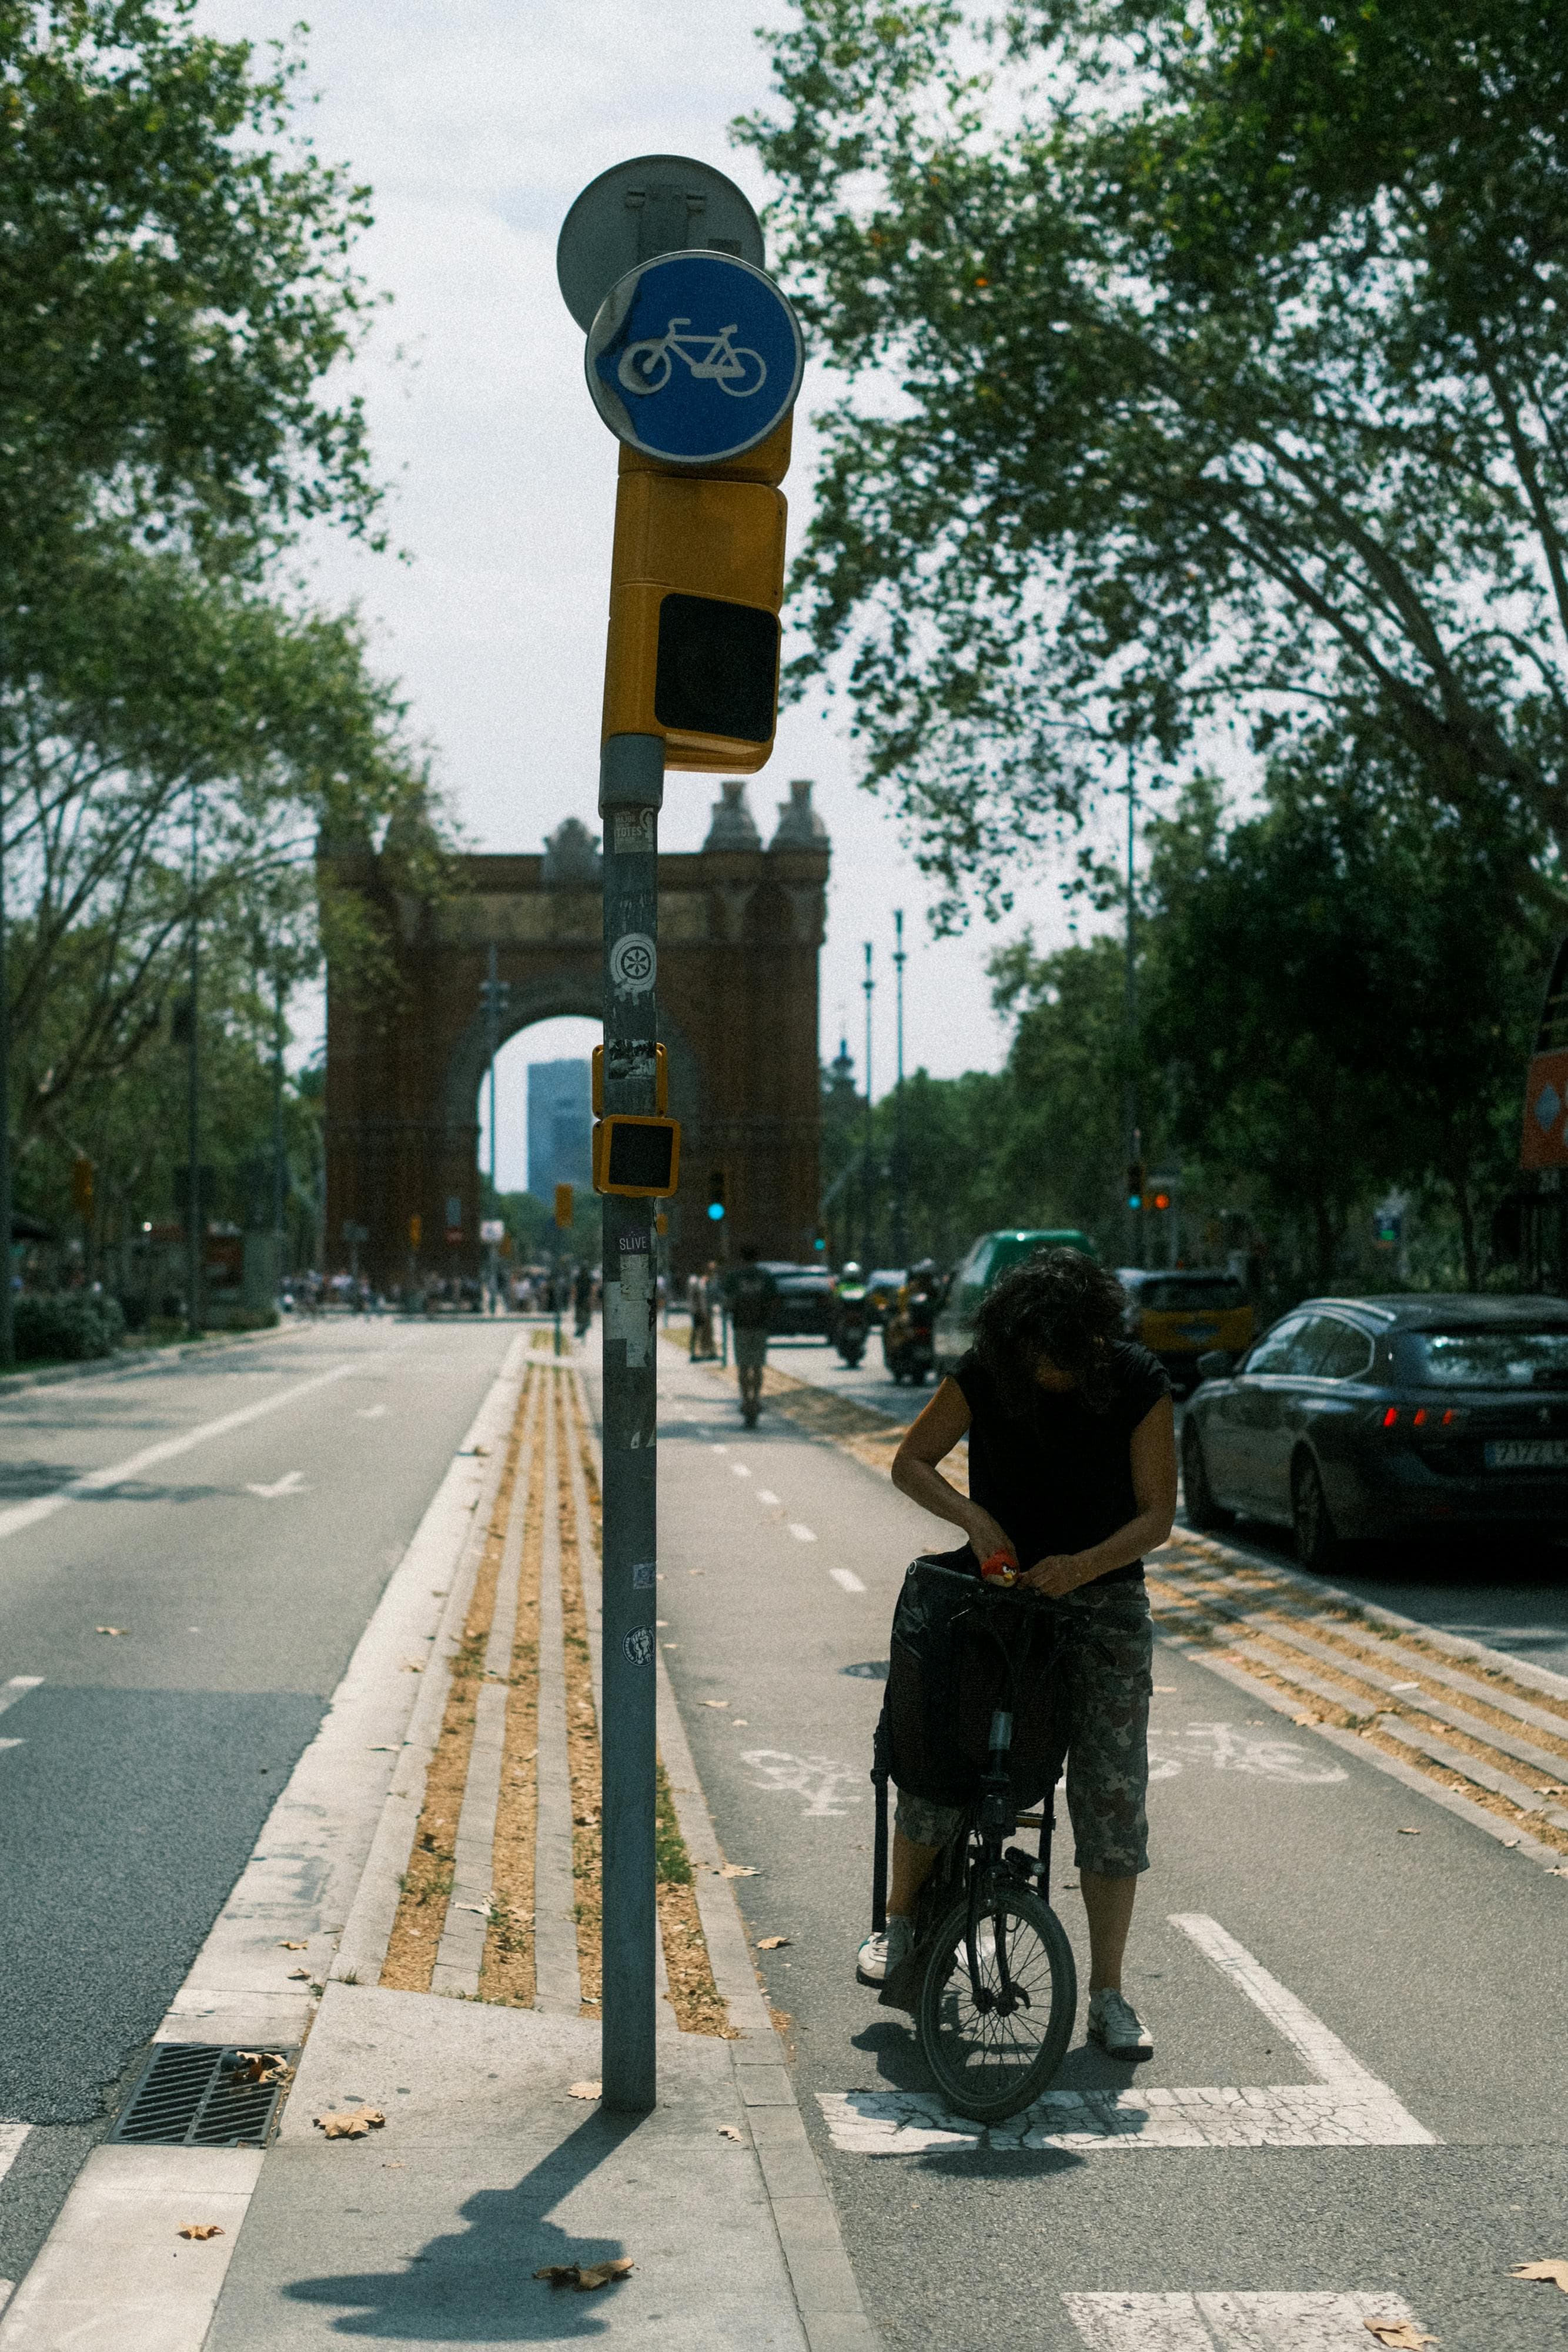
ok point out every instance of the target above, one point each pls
(741, 928)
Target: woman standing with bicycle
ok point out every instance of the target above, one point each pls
(1072, 1475)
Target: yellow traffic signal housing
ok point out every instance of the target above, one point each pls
(563, 1204)
(82, 1184)
(661, 1080)
(639, 1159)
(696, 583)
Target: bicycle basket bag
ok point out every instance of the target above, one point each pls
(952, 1662)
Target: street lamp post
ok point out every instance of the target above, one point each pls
(193, 1204)
(868, 983)
(900, 1158)
(277, 1184)
(1130, 1095)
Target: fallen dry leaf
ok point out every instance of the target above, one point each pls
(351, 2123)
(740, 1870)
(1409, 1832)
(202, 2229)
(299, 1946)
(738, 1723)
(728, 2131)
(584, 2090)
(716, 1702)
(584, 2275)
(1398, 2334)
(771, 1943)
(295, 1975)
(261, 2066)
(1555, 2271)
(110, 1628)
(1306, 1721)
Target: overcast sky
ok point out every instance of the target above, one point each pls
(475, 123)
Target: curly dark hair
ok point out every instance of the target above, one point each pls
(1058, 1305)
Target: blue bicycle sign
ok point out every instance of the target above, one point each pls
(694, 357)
(645, 367)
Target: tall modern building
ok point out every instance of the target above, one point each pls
(561, 1127)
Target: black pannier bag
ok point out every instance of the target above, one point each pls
(952, 1664)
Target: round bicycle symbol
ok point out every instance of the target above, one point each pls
(634, 963)
(647, 366)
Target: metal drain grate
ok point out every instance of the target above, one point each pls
(196, 2094)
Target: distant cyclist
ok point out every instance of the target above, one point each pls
(1073, 1474)
(749, 1294)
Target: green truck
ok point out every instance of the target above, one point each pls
(992, 1256)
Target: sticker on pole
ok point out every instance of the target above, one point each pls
(633, 964)
(694, 358)
(639, 1645)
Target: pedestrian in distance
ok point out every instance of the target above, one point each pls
(750, 1293)
(698, 1309)
(1072, 1478)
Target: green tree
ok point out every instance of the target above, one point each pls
(175, 291)
(1338, 998)
(1213, 365)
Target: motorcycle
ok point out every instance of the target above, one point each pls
(851, 1323)
(908, 1337)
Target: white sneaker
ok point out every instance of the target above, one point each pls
(1116, 2026)
(880, 1956)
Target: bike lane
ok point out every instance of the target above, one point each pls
(1329, 1963)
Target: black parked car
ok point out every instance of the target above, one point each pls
(803, 1304)
(1437, 1416)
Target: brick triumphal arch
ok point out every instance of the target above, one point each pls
(740, 926)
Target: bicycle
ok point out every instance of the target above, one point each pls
(991, 1978)
(647, 366)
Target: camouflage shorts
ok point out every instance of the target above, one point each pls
(1110, 1647)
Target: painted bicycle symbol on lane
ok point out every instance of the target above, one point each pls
(647, 366)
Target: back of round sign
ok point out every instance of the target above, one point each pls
(637, 211)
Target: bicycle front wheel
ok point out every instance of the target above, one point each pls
(994, 2041)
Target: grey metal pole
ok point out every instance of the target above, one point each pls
(900, 1203)
(630, 791)
(192, 1100)
(867, 1236)
(492, 1034)
(1130, 1103)
(277, 1186)
(7, 1298)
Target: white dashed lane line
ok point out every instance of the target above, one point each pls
(17, 1687)
(766, 1495)
(847, 1578)
(800, 1534)
(741, 1469)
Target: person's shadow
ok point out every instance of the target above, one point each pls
(478, 2286)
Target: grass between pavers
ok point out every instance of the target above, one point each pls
(507, 1970)
(1270, 1596)
(427, 1880)
(694, 1995)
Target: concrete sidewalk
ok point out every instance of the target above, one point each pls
(429, 2232)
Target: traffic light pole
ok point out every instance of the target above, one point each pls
(630, 791)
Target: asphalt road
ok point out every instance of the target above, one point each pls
(1438, 1962)
(263, 1496)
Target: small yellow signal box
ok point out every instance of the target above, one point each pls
(563, 1211)
(639, 1159)
(660, 1081)
(82, 1184)
(696, 583)
(415, 1229)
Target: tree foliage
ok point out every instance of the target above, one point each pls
(1202, 362)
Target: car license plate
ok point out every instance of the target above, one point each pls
(1528, 1453)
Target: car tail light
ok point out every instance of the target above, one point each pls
(1390, 1417)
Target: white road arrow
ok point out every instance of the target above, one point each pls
(291, 1483)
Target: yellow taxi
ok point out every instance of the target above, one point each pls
(1179, 1315)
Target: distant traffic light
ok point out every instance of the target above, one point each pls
(1134, 1184)
(1161, 1201)
(696, 582)
(563, 1208)
(715, 1202)
(82, 1184)
(415, 1229)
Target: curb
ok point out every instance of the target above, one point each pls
(111, 2276)
(146, 1360)
(826, 2292)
